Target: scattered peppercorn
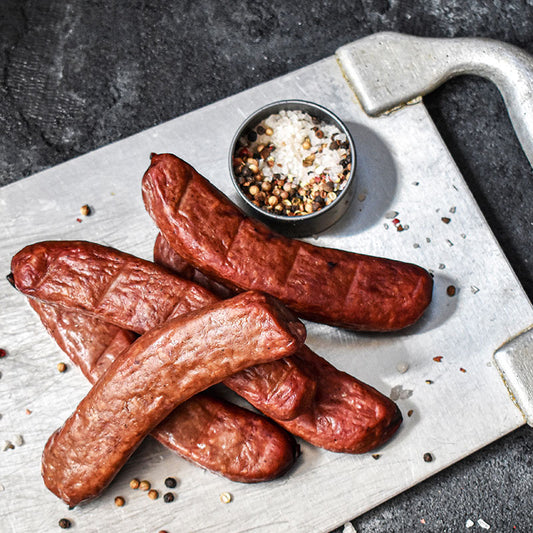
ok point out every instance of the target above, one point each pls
(438, 359)
(225, 497)
(135, 483)
(168, 497)
(3, 353)
(153, 494)
(120, 501)
(170, 482)
(429, 382)
(64, 523)
(376, 456)
(28, 412)
(450, 291)
(446, 220)
(428, 457)
(462, 370)
(85, 210)
(78, 220)
(61, 367)
(144, 485)
(410, 413)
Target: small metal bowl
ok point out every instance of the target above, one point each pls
(298, 225)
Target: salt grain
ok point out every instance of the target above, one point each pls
(348, 528)
(405, 393)
(483, 524)
(469, 523)
(474, 289)
(402, 367)
(395, 393)
(399, 393)
(18, 440)
(391, 214)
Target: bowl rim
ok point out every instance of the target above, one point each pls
(250, 119)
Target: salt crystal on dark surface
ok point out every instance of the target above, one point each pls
(483, 524)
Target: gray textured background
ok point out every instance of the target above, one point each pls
(77, 75)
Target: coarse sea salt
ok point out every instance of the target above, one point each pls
(290, 129)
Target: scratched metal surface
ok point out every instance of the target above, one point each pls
(403, 166)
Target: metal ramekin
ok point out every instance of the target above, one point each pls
(302, 225)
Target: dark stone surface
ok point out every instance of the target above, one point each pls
(77, 75)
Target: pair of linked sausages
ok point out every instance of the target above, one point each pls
(191, 340)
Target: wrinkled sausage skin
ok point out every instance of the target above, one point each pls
(161, 370)
(137, 295)
(340, 288)
(346, 415)
(208, 431)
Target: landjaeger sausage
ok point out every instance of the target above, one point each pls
(346, 415)
(208, 431)
(137, 295)
(161, 370)
(336, 287)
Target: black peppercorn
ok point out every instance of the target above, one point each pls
(252, 136)
(428, 457)
(170, 482)
(168, 497)
(64, 523)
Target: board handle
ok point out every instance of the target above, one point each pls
(387, 70)
(514, 360)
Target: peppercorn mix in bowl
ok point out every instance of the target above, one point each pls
(293, 165)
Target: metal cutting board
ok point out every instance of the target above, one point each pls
(403, 166)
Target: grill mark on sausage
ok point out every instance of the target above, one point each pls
(233, 240)
(289, 272)
(183, 193)
(107, 289)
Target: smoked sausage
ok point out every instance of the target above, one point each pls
(335, 287)
(207, 431)
(346, 415)
(137, 295)
(161, 370)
